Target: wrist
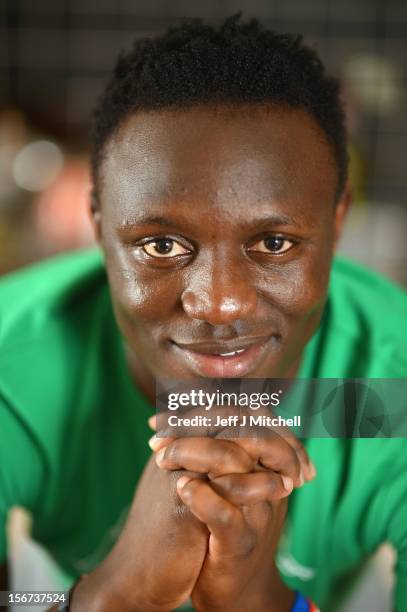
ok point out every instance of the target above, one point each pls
(280, 601)
(266, 592)
(93, 594)
(275, 596)
(272, 595)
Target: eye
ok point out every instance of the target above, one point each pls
(272, 244)
(164, 247)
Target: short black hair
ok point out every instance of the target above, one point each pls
(237, 63)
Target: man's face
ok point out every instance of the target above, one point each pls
(218, 229)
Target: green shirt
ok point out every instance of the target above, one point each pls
(74, 428)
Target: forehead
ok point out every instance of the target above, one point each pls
(218, 155)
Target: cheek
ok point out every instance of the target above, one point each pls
(299, 288)
(139, 296)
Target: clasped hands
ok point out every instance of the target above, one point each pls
(204, 523)
(238, 488)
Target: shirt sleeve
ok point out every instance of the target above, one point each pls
(396, 513)
(21, 469)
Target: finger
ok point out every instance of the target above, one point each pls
(152, 422)
(277, 456)
(210, 428)
(250, 489)
(205, 455)
(156, 443)
(274, 453)
(206, 422)
(226, 523)
(308, 467)
(267, 437)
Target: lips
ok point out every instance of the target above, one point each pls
(223, 360)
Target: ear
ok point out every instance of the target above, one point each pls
(341, 210)
(95, 215)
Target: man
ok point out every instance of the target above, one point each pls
(219, 169)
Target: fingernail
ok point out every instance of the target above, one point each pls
(301, 478)
(181, 482)
(152, 422)
(160, 455)
(312, 472)
(154, 442)
(287, 483)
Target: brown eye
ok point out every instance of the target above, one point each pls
(164, 247)
(272, 244)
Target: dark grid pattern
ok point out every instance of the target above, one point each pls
(55, 56)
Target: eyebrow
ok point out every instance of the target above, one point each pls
(275, 219)
(156, 220)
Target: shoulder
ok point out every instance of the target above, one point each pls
(39, 293)
(48, 315)
(366, 322)
(363, 294)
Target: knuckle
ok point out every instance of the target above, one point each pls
(271, 484)
(161, 456)
(171, 452)
(180, 512)
(225, 517)
(302, 457)
(256, 443)
(290, 462)
(231, 486)
(272, 449)
(225, 483)
(237, 486)
(274, 434)
(192, 490)
(248, 542)
(297, 445)
(246, 462)
(223, 458)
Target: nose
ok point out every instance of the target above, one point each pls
(220, 295)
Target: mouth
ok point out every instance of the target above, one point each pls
(224, 360)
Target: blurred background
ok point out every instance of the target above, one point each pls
(55, 56)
